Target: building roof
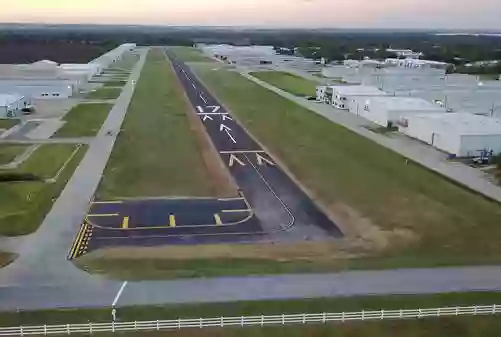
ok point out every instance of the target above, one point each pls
(7, 99)
(358, 90)
(461, 123)
(396, 103)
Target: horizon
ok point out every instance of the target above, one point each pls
(292, 14)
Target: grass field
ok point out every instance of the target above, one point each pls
(84, 120)
(190, 54)
(8, 152)
(104, 93)
(8, 123)
(451, 327)
(23, 205)
(156, 153)
(6, 258)
(286, 81)
(400, 212)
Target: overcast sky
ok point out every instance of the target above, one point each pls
(459, 14)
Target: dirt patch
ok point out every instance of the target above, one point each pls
(222, 181)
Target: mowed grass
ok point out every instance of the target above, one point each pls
(115, 83)
(416, 217)
(295, 85)
(8, 152)
(190, 54)
(84, 120)
(6, 258)
(249, 308)
(104, 93)
(8, 123)
(23, 205)
(155, 153)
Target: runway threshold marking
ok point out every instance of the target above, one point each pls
(125, 222)
(217, 218)
(234, 159)
(262, 160)
(241, 151)
(172, 221)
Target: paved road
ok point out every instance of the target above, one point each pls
(423, 154)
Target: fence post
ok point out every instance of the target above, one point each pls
(304, 318)
(323, 318)
(494, 309)
(342, 317)
(90, 328)
(363, 315)
(200, 324)
(457, 311)
(45, 329)
(401, 313)
(158, 325)
(222, 322)
(475, 310)
(283, 319)
(22, 333)
(262, 320)
(135, 325)
(382, 313)
(419, 313)
(179, 323)
(113, 326)
(439, 312)
(68, 328)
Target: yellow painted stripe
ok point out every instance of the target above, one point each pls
(172, 220)
(218, 219)
(235, 210)
(79, 242)
(125, 222)
(77, 238)
(108, 202)
(102, 214)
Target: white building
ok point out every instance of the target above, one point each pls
(12, 104)
(40, 88)
(407, 53)
(461, 134)
(414, 63)
(388, 110)
(339, 96)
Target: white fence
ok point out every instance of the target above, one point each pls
(243, 321)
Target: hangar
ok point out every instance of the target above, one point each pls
(387, 110)
(461, 134)
(40, 88)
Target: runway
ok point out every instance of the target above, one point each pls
(270, 206)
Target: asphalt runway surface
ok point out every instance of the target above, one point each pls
(271, 207)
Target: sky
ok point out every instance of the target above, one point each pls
(424, 14)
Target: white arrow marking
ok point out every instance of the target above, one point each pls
(261, 160)
(224, 127)
(225, 117)
(215, 108)
(193, 86)
(199, 108)
(207, 117)
(234, 159)
(229, 135)
(203, 98)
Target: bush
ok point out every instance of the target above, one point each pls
(17, 177)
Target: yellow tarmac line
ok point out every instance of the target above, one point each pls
(77, 238)
(108, 202)
(218, 219)
(172, 220)
(125, 222)
(236, 210)
(102, 214)
(79, 241)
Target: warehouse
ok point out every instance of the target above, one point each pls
(45, 89)
(388, 110)
(461, 134)
(11, 105)
(339, 96)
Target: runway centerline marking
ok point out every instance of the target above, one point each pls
(217, 218)
(227, 129)
(241, 151)
(193, 85)
(125, 222)
(172, 221)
